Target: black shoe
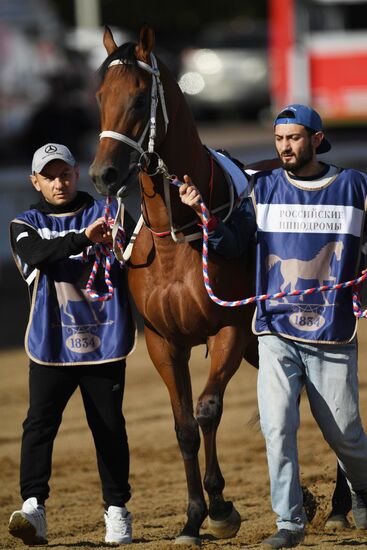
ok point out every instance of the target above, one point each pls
(359, 508)
(284, 539)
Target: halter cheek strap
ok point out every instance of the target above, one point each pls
(157, 93)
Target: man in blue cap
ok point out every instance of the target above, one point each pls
(308, 217)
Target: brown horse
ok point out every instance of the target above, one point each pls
(165, 271)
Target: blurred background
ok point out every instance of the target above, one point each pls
(238, 63)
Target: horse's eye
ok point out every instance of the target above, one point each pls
(139, 101)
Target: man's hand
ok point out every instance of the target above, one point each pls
(99, 232)
(190, 195)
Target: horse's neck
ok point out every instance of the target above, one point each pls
(325, 252)
(162, 206)
(183, 153)
(153, 203)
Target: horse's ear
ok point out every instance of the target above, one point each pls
(108, 40)
(146, 43)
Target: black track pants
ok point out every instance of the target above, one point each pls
(341, 500)
(102, 389)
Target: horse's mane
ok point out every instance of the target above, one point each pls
(271, 260)
(125, 51)
(332, 244)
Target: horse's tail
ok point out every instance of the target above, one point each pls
(271, 260)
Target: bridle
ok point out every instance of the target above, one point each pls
(157, 93)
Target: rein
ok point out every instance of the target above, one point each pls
(171, 179)
(103, 255)
(357, 309)
(157, 93)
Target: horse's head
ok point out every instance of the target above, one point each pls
(133, 112)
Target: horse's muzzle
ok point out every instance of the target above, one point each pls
(108, 180)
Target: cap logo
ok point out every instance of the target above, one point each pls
(50, 149)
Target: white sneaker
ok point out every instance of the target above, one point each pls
(118, 525)
(29, 523)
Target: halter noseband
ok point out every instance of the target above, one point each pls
(156, 93)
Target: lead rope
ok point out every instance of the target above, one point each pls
(357, 309)
(103, 255)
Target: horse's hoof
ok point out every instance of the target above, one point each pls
(336, 522)
(186, 540)
(225, 528)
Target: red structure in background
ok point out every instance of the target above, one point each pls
(318, 55)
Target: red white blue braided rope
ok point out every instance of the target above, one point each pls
(103, 254)
(261, 297)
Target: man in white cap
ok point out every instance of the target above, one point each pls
(308, 217)
(71, 341)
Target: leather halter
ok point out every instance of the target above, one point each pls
(157, 93)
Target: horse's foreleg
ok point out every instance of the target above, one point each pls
(172, 364)
(226, 349)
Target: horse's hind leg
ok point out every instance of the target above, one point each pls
(172, 364)
(226, 350)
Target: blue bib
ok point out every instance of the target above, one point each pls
(308, 237)
(65, 326)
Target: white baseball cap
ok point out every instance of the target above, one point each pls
(51, 151)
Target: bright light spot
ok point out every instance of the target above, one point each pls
(207, 62)
(191, 83)
(254, 69)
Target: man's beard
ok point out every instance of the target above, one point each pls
(295, 165)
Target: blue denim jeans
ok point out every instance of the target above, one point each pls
(329, 375)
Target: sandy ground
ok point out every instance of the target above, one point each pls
(75, 513)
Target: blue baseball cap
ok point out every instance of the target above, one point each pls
(304, 115)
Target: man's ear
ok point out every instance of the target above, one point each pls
(35, 183)
(317, 138)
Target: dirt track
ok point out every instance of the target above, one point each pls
(75, 513)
